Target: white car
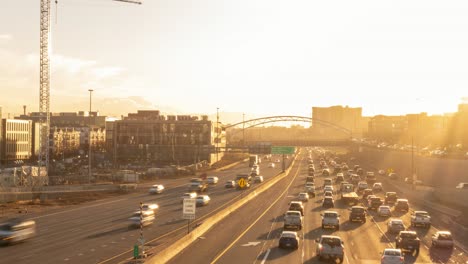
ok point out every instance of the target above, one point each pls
(392, 256)
(420, 218)
(203, 200)
(258, 179)
(304, 197)
(328, 188)
(384, 210)
(150, 206)
(188, 195)
(212, 180)
(271, 165)
(157, 188)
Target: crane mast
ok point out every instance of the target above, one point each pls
(44, 83)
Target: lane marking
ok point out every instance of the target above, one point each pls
(266, 256)
(256, 220)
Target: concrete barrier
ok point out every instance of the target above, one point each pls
(175, 248)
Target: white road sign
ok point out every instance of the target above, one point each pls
(188, 211)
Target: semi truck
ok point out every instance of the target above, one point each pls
(253, 159)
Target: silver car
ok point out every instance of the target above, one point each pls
(392, 256)
(202, 200)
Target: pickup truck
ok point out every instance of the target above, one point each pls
(292, 220)
(330, 247)
(407, 241)
(348, 195)
(421, 218)
(330, 219)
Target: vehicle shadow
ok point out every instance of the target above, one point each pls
(275, 233)
(398, 214)
(279, 218)
(277, 253)
(440, 255)
(411, 257)
(349, 226)
(421, 231)
(313, 234)
(110, 232)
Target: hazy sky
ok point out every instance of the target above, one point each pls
(262, 57)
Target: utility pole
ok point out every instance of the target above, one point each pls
(89, 137)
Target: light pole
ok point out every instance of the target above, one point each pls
(217, 132)
(243, 129)
(89, 137)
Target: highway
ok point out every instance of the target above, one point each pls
(251, 236)
(97, 232)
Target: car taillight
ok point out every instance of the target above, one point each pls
(402, 258)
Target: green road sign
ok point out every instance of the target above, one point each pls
(282, 150)
(135, 251)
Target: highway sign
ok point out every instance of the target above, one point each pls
(242, 183)
(282, 150)
(188, 211)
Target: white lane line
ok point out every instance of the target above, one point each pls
(71, 210)
(266, 256)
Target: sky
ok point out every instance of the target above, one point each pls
(259, 57)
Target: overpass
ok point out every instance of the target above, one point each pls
(293, 141)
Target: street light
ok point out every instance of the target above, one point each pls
(217, 132)
(89, 137)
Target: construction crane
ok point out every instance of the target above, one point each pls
(44, 82)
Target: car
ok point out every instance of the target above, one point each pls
(150, 206)
(395, 225)
(230, 184)
(393, 176)
(328, 194)
(402, 205)
(330, 219)
(143, 218)
(339, 178)
(384, 210)
(328, 188)
(156, 189)
(202, 200)
(188, 195)
(369, 198)
(381, 172)
(374, 203)
(377, 187)
(462, 185)
(277, 161)
(296, 206)
(421, 218)
(328, 202)
(271, 165)
(408, 241)
(310, 189)
(392, 256)
(310, 179)
(390, 197)
(358, 213)
(325, 172)
(303, 197)
(289, 239)
(16, 230)
(212, 180)
(442, 239)
(258, 179)
(327, 181)
(366, 192)
(362, 185)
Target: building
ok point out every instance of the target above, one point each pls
(16, 140)
(64, 141)
(387, 128)
(347, 117)
(148, 137)
(69, 119)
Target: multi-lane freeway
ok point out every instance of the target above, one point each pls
(98, 232)
(251, 235)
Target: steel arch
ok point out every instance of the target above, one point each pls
(272, 119)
